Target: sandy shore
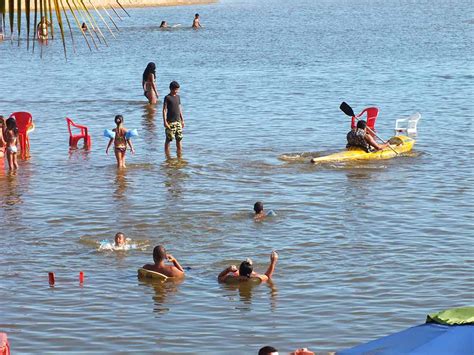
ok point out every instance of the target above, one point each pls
(136, 3)
(147, 3)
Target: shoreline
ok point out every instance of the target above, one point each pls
(135, 3)
(148, 3)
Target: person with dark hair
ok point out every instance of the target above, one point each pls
(246, 273)
(258, 209)
(196, 22)
(268, 350)
(173, 119)
(2, 139)
(359, 138)
(149, 83)
(84, 27)
(120, 141)
(11, 138)
(164, 24)
(159, 258)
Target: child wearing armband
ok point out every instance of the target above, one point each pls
(120, 139)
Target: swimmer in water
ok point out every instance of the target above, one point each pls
(245, 272)
(196, 22)
(159, 257)
(259, 212)
(120, 240)
(164, 24)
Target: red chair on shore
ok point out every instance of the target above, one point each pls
(24, 122)
(74, 138)
(372, 113)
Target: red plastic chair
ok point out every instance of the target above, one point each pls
(24, 122)
(74, 138)
(372, 113)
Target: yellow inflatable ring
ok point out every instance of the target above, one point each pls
(144, 273)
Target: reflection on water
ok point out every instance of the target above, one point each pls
(164, 290)
(149, 122)
(175, 176)
(246, 290)
(121, 184)
(78, 154)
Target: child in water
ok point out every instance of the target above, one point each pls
(120, 142)
(120, 243)
(260, 214)
(11, 137)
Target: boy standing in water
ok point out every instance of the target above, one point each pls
(196, 22)
(173, 119)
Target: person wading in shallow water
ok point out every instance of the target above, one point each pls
(149, 83)
(173, 119)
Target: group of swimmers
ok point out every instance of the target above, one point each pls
(196, 23)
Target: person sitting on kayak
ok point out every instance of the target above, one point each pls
(159, 257)
(360, 138)
(246, 273)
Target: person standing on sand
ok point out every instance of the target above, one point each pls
(149, 83)
(173, 119)
(196, 22)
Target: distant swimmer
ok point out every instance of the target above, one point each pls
(246, 273)
(11, 138)
(173, 119)
(359, 137)
(149, 83)
(164, 24)
(159, 257)
(84, 27)
(42, 29)
(260, 214)
(120, 142)
(196, 22)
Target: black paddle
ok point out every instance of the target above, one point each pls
(350, 112)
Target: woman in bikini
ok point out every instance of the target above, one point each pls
(149, 83)
(120, 142)
(11, 137)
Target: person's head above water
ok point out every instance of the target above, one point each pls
(361, 124)
(246, 268)
(159, 254)
(268, 350)
(174, 87)
(258, 207)
(164, 24)
(196, 16)
(11, 124)
(119, 239)
(118, 120)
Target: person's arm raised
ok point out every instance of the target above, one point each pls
(175, 262)
(223, 275)
(271, 267)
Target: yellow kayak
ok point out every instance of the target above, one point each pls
(401, 144)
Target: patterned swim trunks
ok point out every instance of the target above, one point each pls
(175, 131)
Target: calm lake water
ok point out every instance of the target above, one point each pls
(366, 249)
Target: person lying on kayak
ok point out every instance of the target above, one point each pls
(159, 257)
(360, 138)
(246, 273)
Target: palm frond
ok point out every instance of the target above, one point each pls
(60, 23)
(27, 17)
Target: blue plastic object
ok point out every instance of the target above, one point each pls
(271, 213)
(109, 133)
(131, 133)
(433, 339)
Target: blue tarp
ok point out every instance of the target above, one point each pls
(426, 339)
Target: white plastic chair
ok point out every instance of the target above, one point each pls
(407, 125)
